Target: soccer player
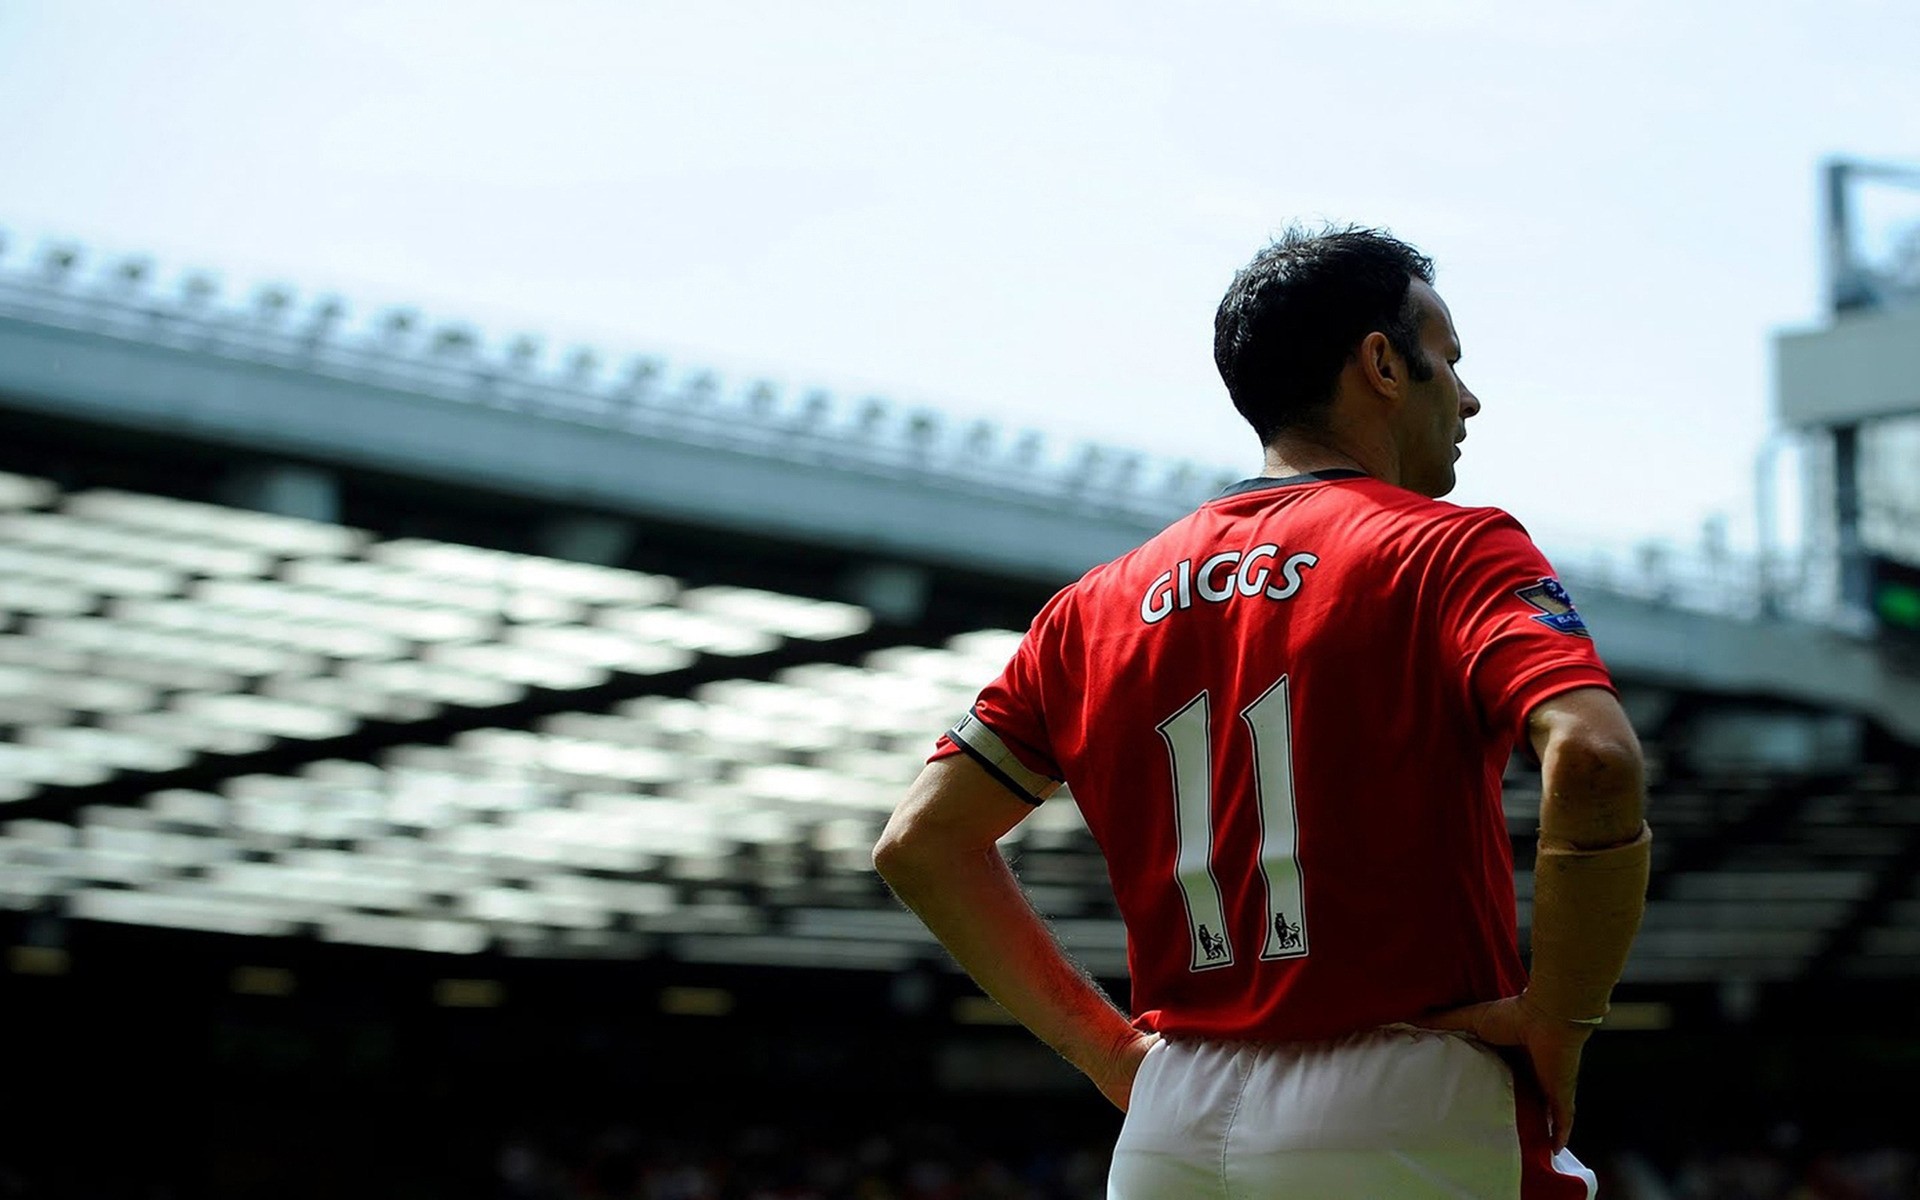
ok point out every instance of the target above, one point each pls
(1285, 719)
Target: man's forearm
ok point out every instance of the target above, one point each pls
(1590, 878)
(973, 904)
(1587, 909)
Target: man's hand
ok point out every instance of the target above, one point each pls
(1552, 1046)
(1114, 1075)
(939, 855)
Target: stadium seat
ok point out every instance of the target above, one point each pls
(728, 818)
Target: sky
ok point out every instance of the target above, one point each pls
(1020, 211)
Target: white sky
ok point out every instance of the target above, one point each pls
(1022, 211)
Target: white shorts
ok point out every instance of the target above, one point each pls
(1389, 1113)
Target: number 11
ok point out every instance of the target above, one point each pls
(1188, 735)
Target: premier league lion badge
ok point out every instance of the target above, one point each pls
(1556, 607)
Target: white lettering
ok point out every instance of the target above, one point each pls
(1252, 581)
(1155, 611)
(1290, 570)
(1207, 590)
(1223, 575)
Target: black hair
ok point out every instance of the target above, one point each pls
(1294, 315)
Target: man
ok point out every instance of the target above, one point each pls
(1285, 719)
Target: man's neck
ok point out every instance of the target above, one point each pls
(1301, 454)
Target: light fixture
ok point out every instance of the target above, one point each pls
(272, 303)
(582, 365)
(197, 291)
(455, 340)
(57, 262)
(131, 273)
(522, 351)
(397, 324)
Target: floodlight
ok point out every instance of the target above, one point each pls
(641, 375)
(57, 263)
(197, 291)
(522, 351)
(129, 274)
(814, 409)
(271, 304)
(582, 365)
(923, 428)
(455, 341)
(699, 390)
(325, 316)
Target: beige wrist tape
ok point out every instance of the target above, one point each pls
(1586, 909)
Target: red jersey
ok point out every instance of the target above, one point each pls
(1285, 720)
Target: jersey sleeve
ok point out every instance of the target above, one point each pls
(1006, 729)
(1509, 624)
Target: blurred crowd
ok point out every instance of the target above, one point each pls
(934, 1163)
(926, 1161)
(1881, 1173)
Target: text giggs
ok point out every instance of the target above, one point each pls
(1226, 575)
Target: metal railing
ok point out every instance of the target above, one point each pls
(871, 435)
(1798, 588)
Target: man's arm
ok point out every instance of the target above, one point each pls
(1595, 779)
(939, 855)
(1590, 885)
(1590, 872)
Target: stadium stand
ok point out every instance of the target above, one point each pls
(448, 860)
(153, 633)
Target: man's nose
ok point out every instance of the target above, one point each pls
(1469, 403)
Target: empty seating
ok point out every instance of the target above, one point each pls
(729, 819)
(139, 632)
(699, 819)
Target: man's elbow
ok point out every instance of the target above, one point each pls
(888, 852)
(1602, 761)
(915, 851)
(900, 852)
(1595, 793)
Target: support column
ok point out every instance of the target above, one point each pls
(1856, 584)
(588, 538)
(893, 592)
(285, 489)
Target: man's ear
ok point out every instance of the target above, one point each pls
(1380, 364)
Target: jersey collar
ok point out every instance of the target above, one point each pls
(1262, 482)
